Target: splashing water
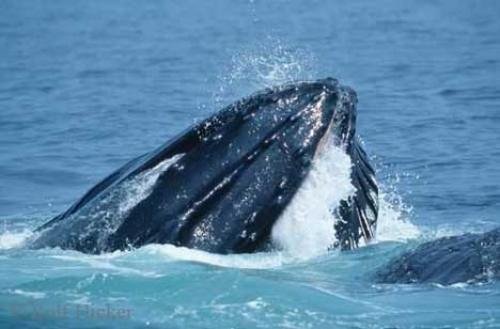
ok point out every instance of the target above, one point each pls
(392, 224)
(394, 215)
(14, 239)
(267, 64)
(306, 228)
(265, 260)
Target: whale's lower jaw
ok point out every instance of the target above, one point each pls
(221, 185)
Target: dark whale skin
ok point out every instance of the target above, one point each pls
(466, 258)
(234, 174)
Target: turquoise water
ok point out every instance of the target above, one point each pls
(87, 85)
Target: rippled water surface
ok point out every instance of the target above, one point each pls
(87, 85)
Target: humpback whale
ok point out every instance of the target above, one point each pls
(448, 260)
(220, 185)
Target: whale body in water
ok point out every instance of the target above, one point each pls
(221, 185)
(466, 258)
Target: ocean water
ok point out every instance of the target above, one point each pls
(87, 85)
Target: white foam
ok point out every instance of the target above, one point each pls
(306, 228)
(257, 304)
(30, 294)
(105, 262)
(12, 240)
(248, 261)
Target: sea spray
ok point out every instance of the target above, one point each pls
(269, 63)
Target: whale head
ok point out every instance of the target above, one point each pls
(221, 185)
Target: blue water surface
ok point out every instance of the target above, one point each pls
(87, 85)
